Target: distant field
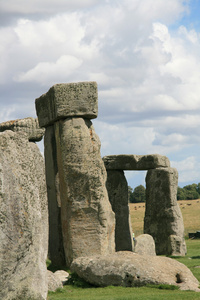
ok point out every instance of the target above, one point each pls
(190, 210)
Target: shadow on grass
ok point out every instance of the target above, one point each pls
(76, 281)
(163, 286)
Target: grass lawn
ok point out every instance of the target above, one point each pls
(191, 217)
(120, 293)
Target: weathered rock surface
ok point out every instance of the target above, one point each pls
(23, 219)
(85, 208)
(29, 126)
(56, 249)
(133, 270)
(176, 245)
(67, 100)
(56, 280)
(145, 245)
(135, 162)
(62, 275)
(88, 222)
(117, 188)
(163, 217)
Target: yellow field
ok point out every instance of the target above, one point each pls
(190, 210)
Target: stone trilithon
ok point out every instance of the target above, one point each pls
(87, 219)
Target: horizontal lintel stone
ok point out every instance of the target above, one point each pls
(67, 100)
(135, 162)
(29, 125)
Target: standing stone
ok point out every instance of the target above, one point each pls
(88, 223)
(56, 250)
(23, 219)
(145, 245)
(163, 217)
(117, 188)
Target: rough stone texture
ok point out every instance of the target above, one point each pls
(62, 275)
(88, 222)
(163, 217)
(29, 126)
(145, 245)
(23, 219)
(176, 246)
(67, 100)
(131, 269)
(117, 188)
(135, 162)
(56, 280)
(56, 250)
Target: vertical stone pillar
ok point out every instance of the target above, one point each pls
(88, 222)
(56, 250)
(117, 188)
(163, 219)
(23, 218)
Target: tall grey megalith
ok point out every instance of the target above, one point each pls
(56, 249)
(87, 219)
(163, 219)
(30, 128)
(117, 188)
(23, 218)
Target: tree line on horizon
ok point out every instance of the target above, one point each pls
(188, 192)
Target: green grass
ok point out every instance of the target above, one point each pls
(121, 293)
(161, 292)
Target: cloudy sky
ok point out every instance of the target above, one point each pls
(144, 55)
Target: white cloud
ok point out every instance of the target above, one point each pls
(5, 113)
(51, 72)
(44, 6)
(148, 74)
(34, 50)
(189, 169)
(157, 9)
(120, 139)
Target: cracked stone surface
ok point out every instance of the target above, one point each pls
(23, 219)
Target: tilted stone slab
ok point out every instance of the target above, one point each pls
(67, 100)
(23, 219)
(135, 162)
(163, 219)
(133, 270)
(88, 222)
(117, 188)
(30, 126)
